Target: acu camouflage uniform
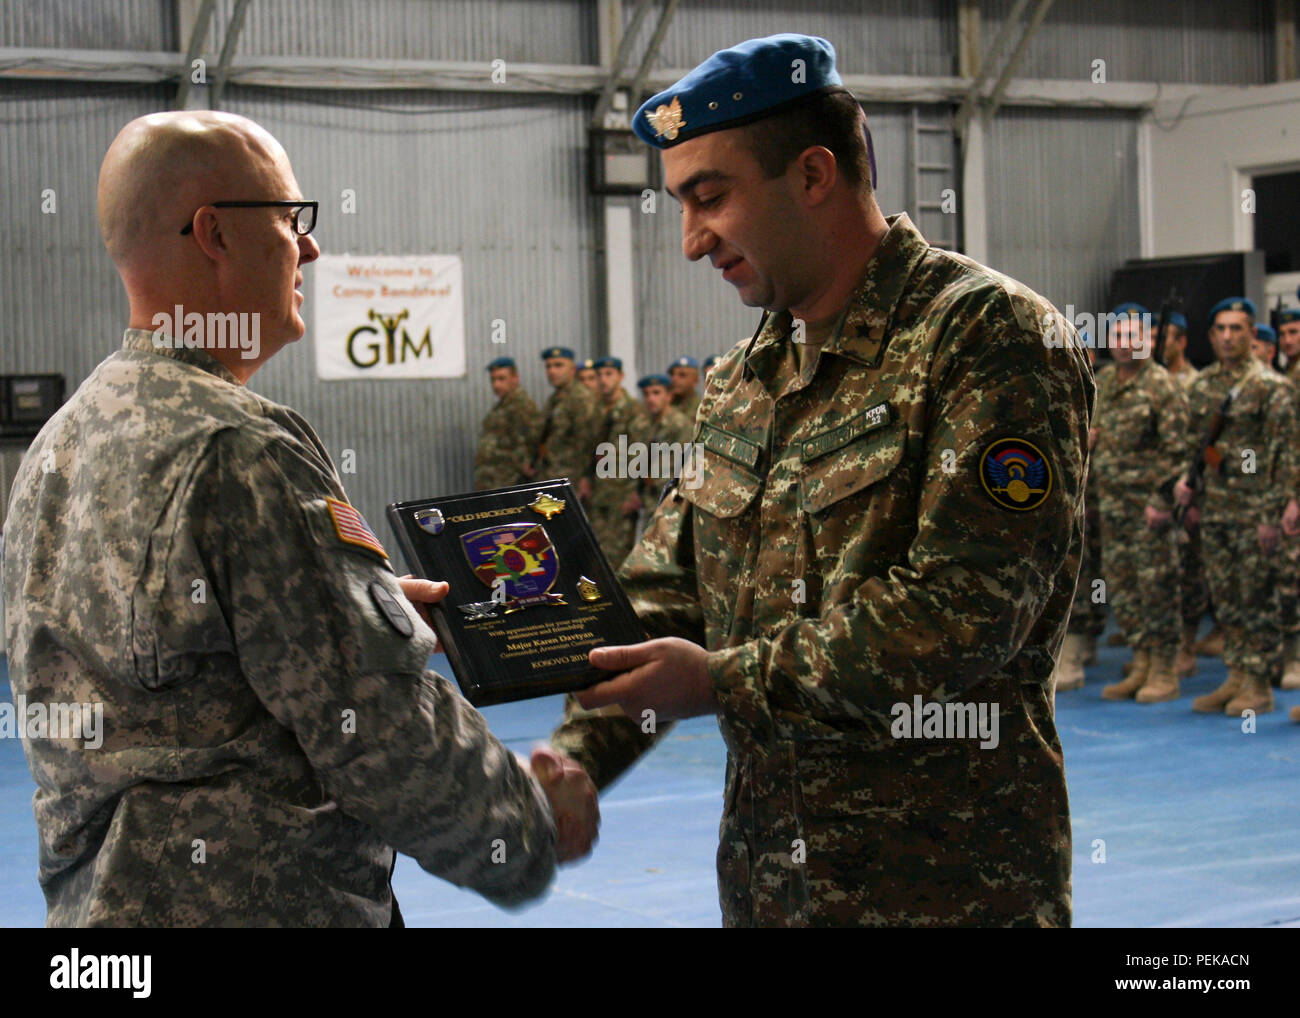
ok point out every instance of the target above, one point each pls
(570, 431)
(1142, 448)
(615, 531)
(917, 583)
(1242, 578)
(261, 673)
(508, 441)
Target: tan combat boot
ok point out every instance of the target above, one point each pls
(1185, 662)
(1162, 683)
(1213, 703)
(1136, 679)
(1069, 669)
(1116, 639)
(1256, 694)
(1295, 714)
(1291, 667)
(1211, 644)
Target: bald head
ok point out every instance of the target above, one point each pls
(162, 193)
(162, 167)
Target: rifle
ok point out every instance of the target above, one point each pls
(1171, 303)
(1208, 454)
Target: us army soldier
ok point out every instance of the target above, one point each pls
(181, 552)
(509, 432)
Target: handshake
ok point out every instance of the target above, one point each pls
(573, 800)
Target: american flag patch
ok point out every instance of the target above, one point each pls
(352, 528)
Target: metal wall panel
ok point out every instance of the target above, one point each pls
(1062, 201)
(102, 24)
(1194, 41)
(527, 31)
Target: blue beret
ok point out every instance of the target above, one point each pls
(1288, 315)
(502, 362)
(650, 380)
(609, 362)
(1129, 308)
(684, 362)
(586, 365)
(1266, 333)
(1234, 304)
(557, 351)
(737, 86)
(1177, 318)
(710, 361)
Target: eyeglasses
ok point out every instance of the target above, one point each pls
(304, 220)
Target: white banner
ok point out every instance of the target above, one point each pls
(389, 316)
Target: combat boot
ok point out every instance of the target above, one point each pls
(1295, 714)
(1185, 661)
(1255, 694)
(1127, 688)
(1291, 670)
(1116, 639)
(1214, 702)
(1069, 668)
(1162, 683)
(1211, 644)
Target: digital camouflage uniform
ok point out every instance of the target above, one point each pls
(172, 552)
(1193, 595)
(571, 426)
(1088, 611)
(508, 441)
(688, 406)
(614, 529)
(1142, 448)
(917, 582)
(670, 428)
(1288, 585)
(1242, 578)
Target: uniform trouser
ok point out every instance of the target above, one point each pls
(1088, 611)
(1141, 570)
(1195, 597)
(1243, 582)
(1288, 586)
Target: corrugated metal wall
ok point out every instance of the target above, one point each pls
(1062, 200)
(500, 180)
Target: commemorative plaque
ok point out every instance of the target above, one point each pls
(531, 592)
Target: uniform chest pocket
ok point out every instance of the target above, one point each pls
(721, 488)
(850, 468)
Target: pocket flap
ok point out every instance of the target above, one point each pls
(724, 489)
(849, 468)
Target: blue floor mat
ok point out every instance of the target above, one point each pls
(1197, 821)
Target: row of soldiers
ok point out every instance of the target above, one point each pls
(581, 424)
(1192, 506)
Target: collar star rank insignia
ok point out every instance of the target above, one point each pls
(667, 119)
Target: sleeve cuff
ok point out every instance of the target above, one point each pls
(745, 716)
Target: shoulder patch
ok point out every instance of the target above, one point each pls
(351, 527)
(1015, 474)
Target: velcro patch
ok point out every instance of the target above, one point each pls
(729, 446)
(841, 435)
(351, 527)
(1016, 474)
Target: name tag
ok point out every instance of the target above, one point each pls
(729, 446)
(841, 435)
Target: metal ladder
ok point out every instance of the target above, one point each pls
(931, 156)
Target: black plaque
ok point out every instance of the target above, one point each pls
(531, 592)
